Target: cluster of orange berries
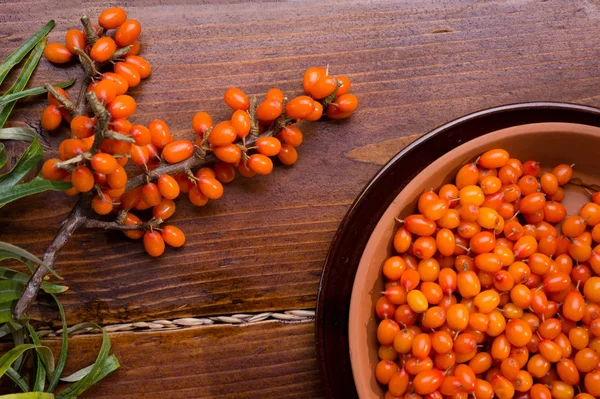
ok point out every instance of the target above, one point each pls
(245, 142)
(488, 294)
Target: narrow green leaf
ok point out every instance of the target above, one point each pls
(64, 350)
(79, 374)
(35, 186)
(24, 49)
(18, 339)
(110, 365)
(17, 379)
(32, 92)
(3, 156)
(6, 311)
(41, 363)
(23, 78)
(23, 278)
(28, 395)
(9, 357)
(6, 328)
(10, 290)
(22, 254)
(99, 368)
(17, 133)
(30, 158)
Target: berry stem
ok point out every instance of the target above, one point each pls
(120, 53)
(253, 118)
(88, 64)
(91, 35)
(65, 102)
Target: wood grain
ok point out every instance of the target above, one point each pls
(264, 360)
(413, 64)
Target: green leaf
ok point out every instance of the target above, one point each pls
(23, 278)
(17, 133)
(24, 49)
(101, 367)
(10, 290)
(42, 363)
(79, 374)
(17, 379)
(30, 158)
(22, 254)
(23, 78)
(9, 357)
(8, 328)
(62, 358)
(35, 186)
(3, 156)
(28, 395)
(7, 98)
(6, 311)
(18, 339)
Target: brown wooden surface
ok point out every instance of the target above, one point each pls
(414, 65)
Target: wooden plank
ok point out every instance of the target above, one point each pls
(413, 65)
(263, 360)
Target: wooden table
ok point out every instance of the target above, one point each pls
(414, 65)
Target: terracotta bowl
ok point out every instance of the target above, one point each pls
(352, 281)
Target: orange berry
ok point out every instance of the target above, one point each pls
(563, 173)
(151, 194)
(139, 155)
(82, 179)
(121, 83)
(102, 206)
(202, 122)
(275, 94)
(57, 53)
(210, 187)
(245, 170)
(224, 172)
(236, 99)
(317, 112)
(74, 39)
(51, 117)
(140, 63)
(53, 101)
(141, 134)
(311, 76)
(495, 158)
(347, 103)
(122, 107)
(129, 72)
(165, 209)
(106, 91)
(128, 32)
(269, 109)
(230, 153)
(260, 164)
(154, 243)
(104, 163)
(287, 155)
(82, 126)
(103, 49)
(51, 172)
(196, 196)
(173, 236)
(269, 146)
(177, 151)
(222, 134)
(240, 120)
(324, 86)
(291, 135)
(132, 220)
(300, 107)
(343, 85)
(168, 187)
(112, 18)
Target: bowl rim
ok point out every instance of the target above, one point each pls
(331, 321)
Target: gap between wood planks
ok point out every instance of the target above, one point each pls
(238, 319)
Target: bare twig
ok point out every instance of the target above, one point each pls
(65, 102)
(90, 33)
(99, 224)
(73, 221)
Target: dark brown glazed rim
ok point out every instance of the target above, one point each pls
(337, 279)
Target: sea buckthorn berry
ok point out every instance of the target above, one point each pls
(549, 184)
(104, 163)
(112, 18)
(563, 173)
(260, 164)
(554, 212)
(424, 247)
(311, 76)
(196, 196)
(173, 236)
(51, 172)
(151, 194)
(532, 203)
(347, 103)
(490, 185)
(82, 179)
(140, 63)
(165, 209)
(467, 175)
(427, 382)
(556, 282)
(128, 32)
(210, 187)
(269, 146)
(491, 159)
(445, 241)
(224, 172)
(222, 134)
(300, 107)
(291, 135)
(154, 243)
(168, 187)
(117, 179)
(468, 284)
(51, 117)
(343, 85)
(201, 123)
(245, 170)
(579, 250)
(269, 110)
(386, 332)
(518, 332)
(236, 99)
(240, 120)
(135, 48)
(103, 49)
(106, 91)
(385, 370)
(102, 205)
(417, 301)
(132, 220)
(121, 83)
(591, 289)
(275, 94)
(139, 155)
(141, 134)
(57, 53)
(74, 39)
(394, 267)
(324, 86)
(228, 153)
(590, 212)
(419, 225)
(317, 112)
(471, 195)
(82, 126)
(177, 151)
(122, 107)
(53, 101)
(426, 199)
(591, 383)
(129, 72)
(531, 168)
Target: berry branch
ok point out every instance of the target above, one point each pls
(104, 141)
